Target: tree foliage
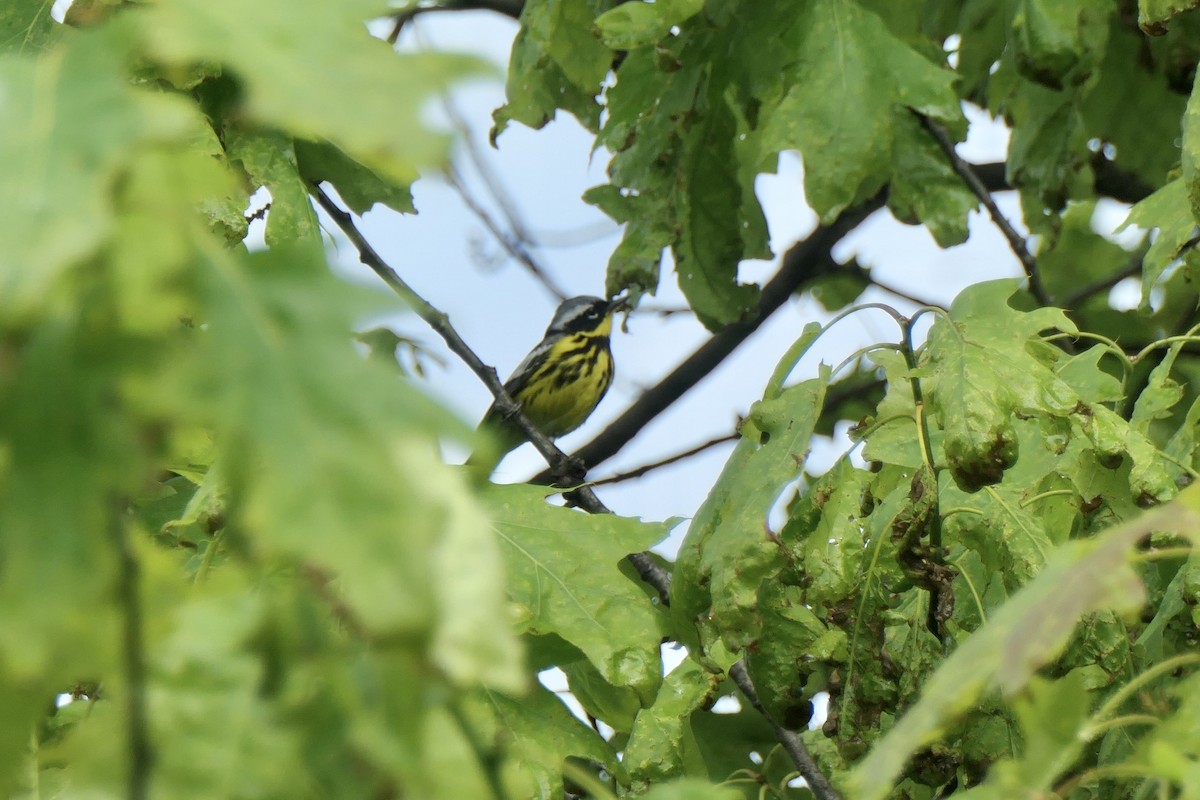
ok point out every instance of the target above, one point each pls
(231, 540)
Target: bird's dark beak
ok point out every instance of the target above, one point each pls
(618, 304)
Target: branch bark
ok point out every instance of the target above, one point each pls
(1016, 241)
(806, 261)
(563, 467)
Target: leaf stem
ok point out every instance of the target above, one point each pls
(137, 735)
(1120, 722)
(1123, 694)
(1052, 493)
(863, 351)
(1165, 553)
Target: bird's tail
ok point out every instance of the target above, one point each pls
(493, 441)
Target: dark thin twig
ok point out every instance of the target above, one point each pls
(512, 244)
(499, 193)
(791, 741)
(564, 468)
(441, 325)
(141, 755)
(507, 8)
(1015, 241)
(642, 470)
(516, 242)
(1130, 269)
(903, 295)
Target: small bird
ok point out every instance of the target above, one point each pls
(560, 382)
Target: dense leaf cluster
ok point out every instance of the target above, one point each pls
(230, 542)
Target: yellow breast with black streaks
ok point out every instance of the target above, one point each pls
(570, 382)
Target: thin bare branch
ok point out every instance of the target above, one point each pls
(508, 8)
(1134, 267)
(893, 290)
(512, 244)
(642, 470)
(508, 207)
(966, 172)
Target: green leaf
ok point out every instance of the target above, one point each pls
(984, 374)
(636, 262)
(26, 25)
(1056, 43)
(1084, 374)
(691, 789)
(1161, 394)
(1190, 156)
(259, 44)
(1154, 16)
(637, 23)
(71, 100)
(1051, 715)
(1145, 143)
(798, 642)
(710, 245)
(270, 161)
(563, 568)
(1168, 211)
(539, 733)
(661, 745)
(280, 329)
(727, 553)
(359, 186)
(1076, 254)
(842, 51)
(1020, 637)
(1047, 155)
(557, 62)
(925, 189)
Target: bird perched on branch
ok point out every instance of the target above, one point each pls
(560, 382)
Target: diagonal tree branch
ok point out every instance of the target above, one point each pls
(1016, 241)
(791, 741)
(564, 468)
(647, 569)
(806, 261)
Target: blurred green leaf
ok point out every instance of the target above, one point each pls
(382, 132)
(26, 25)
(1154, 16)
(60, 210)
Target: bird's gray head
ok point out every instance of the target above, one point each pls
(578, 315)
